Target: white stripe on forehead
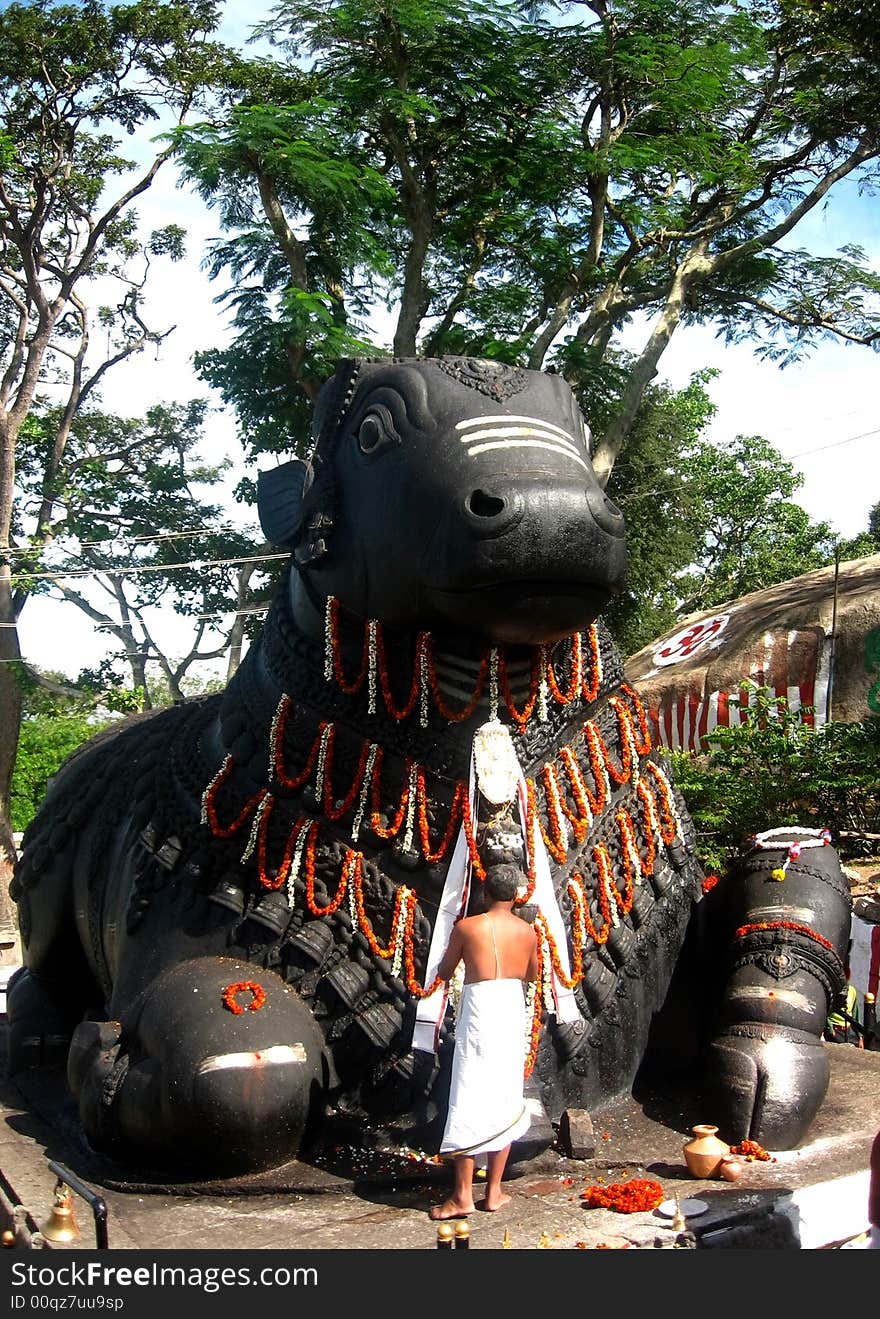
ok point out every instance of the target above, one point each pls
(495, 432)
(529, 444)
(272, 1056)
(508, 417)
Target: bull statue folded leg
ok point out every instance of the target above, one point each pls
(232, 911)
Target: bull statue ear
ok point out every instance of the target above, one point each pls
(280, 501)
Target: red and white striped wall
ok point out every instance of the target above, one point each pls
(792, 664)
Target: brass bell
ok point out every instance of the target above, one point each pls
(61, 1225)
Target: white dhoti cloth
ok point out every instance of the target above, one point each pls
(486, 1106)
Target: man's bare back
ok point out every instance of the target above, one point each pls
(475, 940)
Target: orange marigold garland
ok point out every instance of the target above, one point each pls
(535, 1004)
(209, 808)
(634, 1197)
(576, 661)
(231, 992)
(796, 926)
(585, 678)
(409, 958)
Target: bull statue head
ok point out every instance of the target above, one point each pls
(449, 493)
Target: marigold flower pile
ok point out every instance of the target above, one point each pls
(750, 1149)
(632, 1197)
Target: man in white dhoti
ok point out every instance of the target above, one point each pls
(487, 1111)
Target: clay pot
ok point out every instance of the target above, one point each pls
(731, 1168)
(704, 1153)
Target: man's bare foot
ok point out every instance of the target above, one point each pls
(450, 1209)
(496, 1202)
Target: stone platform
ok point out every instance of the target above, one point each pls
(814, 1197)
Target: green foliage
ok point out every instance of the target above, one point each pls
(753, 536)
(133, 529)
(777, 769)
(668, 514)
(705, 523)
(54, 724)
(45, 742)
(517, 181)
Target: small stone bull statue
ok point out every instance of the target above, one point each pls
(232, 911)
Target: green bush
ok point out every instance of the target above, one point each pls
(776, 769)
(47, 739)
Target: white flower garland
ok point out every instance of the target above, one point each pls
(543, 688)
(372, 661)
(626, 726)
(424, 684)
(632, 854)
(409, 826)
(399, 933)
(255, 828)
(605, 881)
(456, 985)
(328, 638)
(365, 788)
(493, 684)
(296, 865)
(326, 734)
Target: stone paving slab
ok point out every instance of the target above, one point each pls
(812, 1197)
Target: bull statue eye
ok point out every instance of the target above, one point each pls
(371, 433)
(376, 431)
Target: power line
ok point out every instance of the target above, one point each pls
(142, 540)
(195, 564)
(835, 444)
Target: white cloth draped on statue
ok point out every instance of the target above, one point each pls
(453, 905)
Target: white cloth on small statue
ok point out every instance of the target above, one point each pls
(486, 1106)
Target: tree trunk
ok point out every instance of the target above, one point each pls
(414, 300)
(236, 635)
(607, 451)
(10, 725)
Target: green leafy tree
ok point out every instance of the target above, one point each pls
(668, 515)
(75, 81)
(706, 523)
(524, 181)
(47, 738)
(866, 542)
(776, 769)
(753, 534)
(134, 531)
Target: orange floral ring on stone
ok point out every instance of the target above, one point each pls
(231, 991)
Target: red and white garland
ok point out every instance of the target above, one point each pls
(571, 806)
(584, 680)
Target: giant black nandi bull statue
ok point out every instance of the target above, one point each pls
(232, 911)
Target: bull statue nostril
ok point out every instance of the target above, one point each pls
(606, 513)
(482, 505)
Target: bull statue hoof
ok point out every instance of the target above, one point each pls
(784, 915)
(232, 911)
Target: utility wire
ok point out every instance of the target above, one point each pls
(145, 540)
(196, 564)
(231, 530)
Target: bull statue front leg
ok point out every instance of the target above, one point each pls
(783, 913)
(218, 1065)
